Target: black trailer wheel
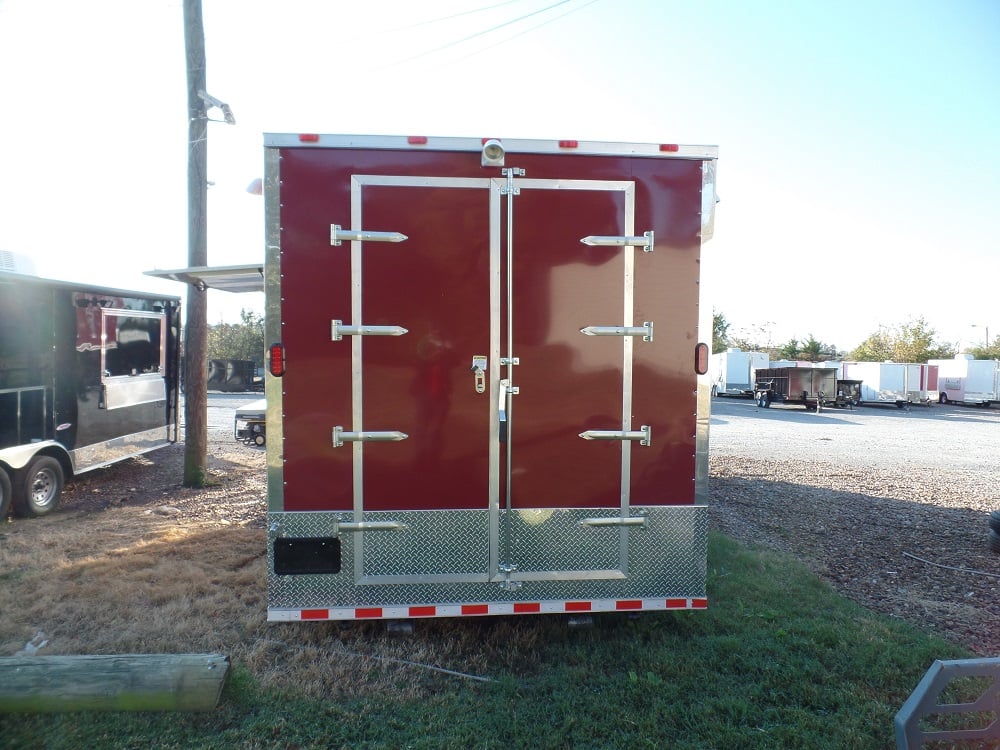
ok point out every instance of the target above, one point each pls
(37, 487)
(943, 398)
(994, 541)
(995, 521)
(5, 492)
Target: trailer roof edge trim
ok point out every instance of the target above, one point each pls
(11, 277)
(512, 145)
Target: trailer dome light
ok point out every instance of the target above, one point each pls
(276, 360)
(493, 153)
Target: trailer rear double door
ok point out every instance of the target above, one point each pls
(453, 442)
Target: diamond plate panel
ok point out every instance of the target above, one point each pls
(665, 558)
(554, 540)
(455, 543)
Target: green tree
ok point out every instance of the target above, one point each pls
(912, 341)
(985, 352)
(720, 332)
(790, 350)
(243, 340)
(991, 349)
(810, 350)
(813, 350)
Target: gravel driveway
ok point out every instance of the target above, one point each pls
(890, 506)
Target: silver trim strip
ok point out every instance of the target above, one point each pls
(512, 146)
(131, 390)
(496, 392)
(273, 387)
(99, 455)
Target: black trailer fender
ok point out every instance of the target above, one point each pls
(37, 472)
(5, 493)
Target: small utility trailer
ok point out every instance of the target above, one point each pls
(813, 387)
(88, 377)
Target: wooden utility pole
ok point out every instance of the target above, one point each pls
(196, 328)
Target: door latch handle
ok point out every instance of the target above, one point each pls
(502, 410)
(479, 364)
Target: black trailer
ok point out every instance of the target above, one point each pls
(233, 375)
(813, 387)
(88, 377)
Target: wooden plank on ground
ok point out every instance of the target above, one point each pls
(128, 682)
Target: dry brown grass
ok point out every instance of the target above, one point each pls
(134, 563)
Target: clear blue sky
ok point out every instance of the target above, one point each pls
(859, 165)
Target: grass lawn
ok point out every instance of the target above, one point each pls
(777, 661)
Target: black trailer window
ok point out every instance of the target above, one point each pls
(133, 343)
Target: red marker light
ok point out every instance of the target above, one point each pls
(309, 137)
(569, 144)
(671, 147)
(276, 360)
(417, 140)
(701, 359)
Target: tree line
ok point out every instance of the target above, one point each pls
(912, 341)
(243, 340)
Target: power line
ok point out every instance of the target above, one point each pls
(482, 33)
(452, 16)
(526, 31)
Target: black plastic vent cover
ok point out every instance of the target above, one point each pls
(305, 555)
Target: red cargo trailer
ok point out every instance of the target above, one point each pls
(486, 392)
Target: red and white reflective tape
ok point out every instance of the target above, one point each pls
(408, 612)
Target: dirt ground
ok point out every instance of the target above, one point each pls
(133, 562)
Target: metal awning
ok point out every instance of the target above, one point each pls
(248, 278)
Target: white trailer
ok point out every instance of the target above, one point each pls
(964, 380)
(898, 383)
(732, 371)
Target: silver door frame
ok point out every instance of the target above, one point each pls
(570, 519)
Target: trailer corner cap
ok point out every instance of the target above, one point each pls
(246, 278)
